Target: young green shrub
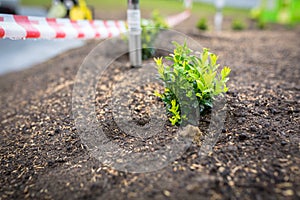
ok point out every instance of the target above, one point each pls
(202, 24)
(191, 82)
(238, 25)
(261, 25)
(150, 29)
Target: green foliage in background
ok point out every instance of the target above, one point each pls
(191, 82)
(202, 24)
(150, 29)
(238, 25)
(261, 24)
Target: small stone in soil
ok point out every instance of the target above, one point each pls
(265, 136)
(253, 129)
(241, 120)
(57, 131)
(50, 163)
(243, 136)
(232, 148)
(142, 122)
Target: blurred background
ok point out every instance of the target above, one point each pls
(19, 54)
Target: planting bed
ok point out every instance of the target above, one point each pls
(257, 155)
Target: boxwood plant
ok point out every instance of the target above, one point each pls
(192, 81)
(202, 24)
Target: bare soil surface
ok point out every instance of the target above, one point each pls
(257, 155)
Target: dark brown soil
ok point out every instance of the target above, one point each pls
(257, 156)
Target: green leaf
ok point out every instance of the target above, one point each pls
(225, 88)
(199, 95)
(218, 88)
(204, 56)
(175, 71)
(208, 78)
(213, 59)
(208, 104)
(225, 72)
(173, 120)
(208, 90)
(193, 75)
(156, 93)
(174, 107)
(200, 85)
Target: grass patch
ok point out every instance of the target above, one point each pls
(165, 7)
(36, 2)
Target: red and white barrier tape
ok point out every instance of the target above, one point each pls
(177, 19)
(21, 27)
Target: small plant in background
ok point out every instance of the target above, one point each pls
(238, 25)
(202, 24)
(150, 29)
(191, 82)
(261, 25)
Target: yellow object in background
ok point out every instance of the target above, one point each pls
(80, 11)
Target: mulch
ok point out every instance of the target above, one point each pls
(257, 155)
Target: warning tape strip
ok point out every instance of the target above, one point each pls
(22, 27)
(174, 20)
